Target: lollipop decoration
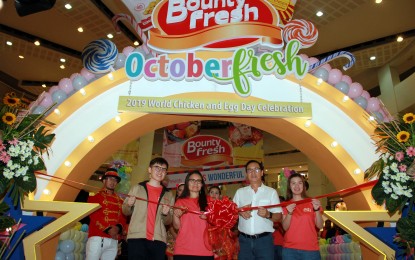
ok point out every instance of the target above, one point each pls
(99, 56)
(301, 30)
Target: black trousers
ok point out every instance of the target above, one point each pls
(143, 249)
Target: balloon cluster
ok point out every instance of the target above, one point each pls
(340, 247)
(72, 243)
(99, 57)
(124, 171)
(353, 90)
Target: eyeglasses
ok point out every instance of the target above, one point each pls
(252, 170)
(195, 181)
(159, 168)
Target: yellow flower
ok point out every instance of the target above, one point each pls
(409, 118)
(403, 136)
(9, 118)
(11, 101)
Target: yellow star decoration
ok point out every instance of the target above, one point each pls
(74, 212)
(347, 221)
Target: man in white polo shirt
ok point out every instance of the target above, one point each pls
(256, 227)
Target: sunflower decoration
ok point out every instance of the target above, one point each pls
(395, 171)
(23, 139)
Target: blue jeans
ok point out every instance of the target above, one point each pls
(277, 252)
(292, 254)
(256, 248)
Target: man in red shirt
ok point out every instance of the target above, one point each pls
(106, 223)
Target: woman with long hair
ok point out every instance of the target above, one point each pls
(192, 241)
(301, 222)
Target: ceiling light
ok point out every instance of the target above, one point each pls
(91, 139)
(43, 85)
(399, 39)
(110, 76)
(345, 98)
(82, 91)
(371, 118)
(136, 43)
(37, 43)
(307, 123)
(80, 29)
(46, 192)
(68, 164)
(357, 171)
(63, 60)
(62, 66)
(319, 13)
(372, 58)
(333, 144)
(118, 119)
(9, 43)
(21, 56)
(68, 6)
(110, 36)
(57, 111)
(319, 81)
(378, 1)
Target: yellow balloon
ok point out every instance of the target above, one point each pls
(65, 235)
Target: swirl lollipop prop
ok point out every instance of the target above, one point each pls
(333, 56)
(99, 56)
(303, 31)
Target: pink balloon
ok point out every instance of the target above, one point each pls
(355, 90)
(53, 89)
(46, 100)
(335, 75)
(312, 60)
(326, 66)
(74, 75)
(365, 94)
(373, 104)
(86, 74)
(66, 85)
(303, 56)
(347, 79)
(127, 50)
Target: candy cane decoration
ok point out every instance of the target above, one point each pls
(135, 25)
(333, 56)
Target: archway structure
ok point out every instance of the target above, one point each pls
(93, 113)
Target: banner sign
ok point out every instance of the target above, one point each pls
(212, 176)
(198, 106)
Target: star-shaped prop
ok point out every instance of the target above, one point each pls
(347, 221)
(28, 225)
(74, 212)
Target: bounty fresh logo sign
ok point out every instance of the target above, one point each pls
(213, 24)
(236, 71)
(206, 150)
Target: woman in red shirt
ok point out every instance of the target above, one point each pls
(192, 241)
(301, 222)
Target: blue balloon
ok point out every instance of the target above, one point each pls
(321, 73)
(38, 110)
(84, 227)
(60, 255)
(79, 82)
(59, 96)
(361, 101)
(378, 116)
(67, 246)
(343, 87)
(120, 61)
(70, 256)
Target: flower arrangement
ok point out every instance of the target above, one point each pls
(23, 140)
(395, 170)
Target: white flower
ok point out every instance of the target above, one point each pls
(25, 178)
(8, 174)
(394, 167)
(393, 196)
(386, 169)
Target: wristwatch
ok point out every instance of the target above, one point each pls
(316, 209)
(270, 215)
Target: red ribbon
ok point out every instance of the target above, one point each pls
(283, 204)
